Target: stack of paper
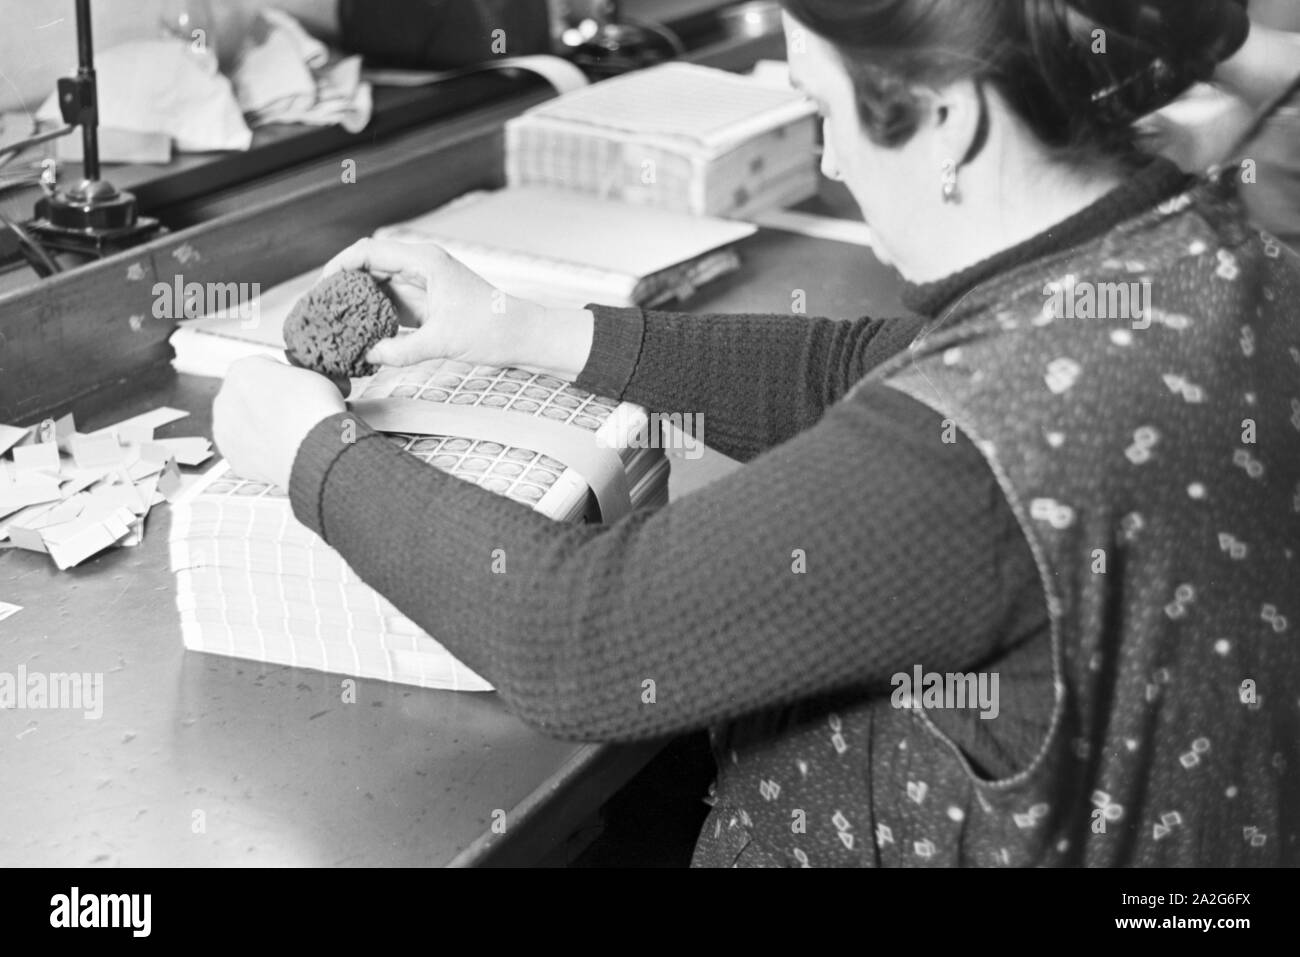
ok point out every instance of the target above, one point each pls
(561, 248)
(253, 582)
(677, 136)
(544, 245)
(72, 495)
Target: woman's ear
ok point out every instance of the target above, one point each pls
(956, 120)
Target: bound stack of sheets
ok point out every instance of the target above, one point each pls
(678, 136)
(253, 582)
(560, 248)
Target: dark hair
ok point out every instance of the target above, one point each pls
(1038, 54)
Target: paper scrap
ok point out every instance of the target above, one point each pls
(99, 450)
(32, 489)
(98, 492)
(11, 435)
(25, 532)
(154, 452)
(7, 610)
(25, 517)
(152, 420)
(64, 429)
(28, 538)
(170, 482)
(146, 490)
(189, 450)
(137, 534)
(134, 433)
(82, 481)
(109, 498)
(43, 457)
(72, 543)
(65, 511)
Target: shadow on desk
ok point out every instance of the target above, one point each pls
(323, 791)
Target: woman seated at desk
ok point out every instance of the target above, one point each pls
(1093, 511)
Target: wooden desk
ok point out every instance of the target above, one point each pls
(270, 762)
(279, 769)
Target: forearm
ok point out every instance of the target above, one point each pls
(757, 380)
(786, 580)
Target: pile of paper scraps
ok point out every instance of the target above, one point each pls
(73, 494)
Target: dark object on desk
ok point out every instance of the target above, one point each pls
(620, 48)
(29, 248)
(331, 329)
(443, 34)
(93, 217)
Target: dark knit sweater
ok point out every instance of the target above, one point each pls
(908, 552)
(700, 597)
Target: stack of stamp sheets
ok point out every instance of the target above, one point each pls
(253, 582)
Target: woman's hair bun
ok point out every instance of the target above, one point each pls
(1142, 54)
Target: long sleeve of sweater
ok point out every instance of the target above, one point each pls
(859, 548)
(758, 380)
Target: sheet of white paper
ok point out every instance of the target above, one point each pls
(563, 229)
(100, 450)
(42, 457)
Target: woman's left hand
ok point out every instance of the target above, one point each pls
(264, 411)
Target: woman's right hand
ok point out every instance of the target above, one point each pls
(458, 314)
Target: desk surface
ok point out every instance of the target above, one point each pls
(270, 762)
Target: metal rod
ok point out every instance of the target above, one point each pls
(13, 149)
(86, 71)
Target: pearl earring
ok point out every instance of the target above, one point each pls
(951, 194)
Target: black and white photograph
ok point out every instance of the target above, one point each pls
(650, 434)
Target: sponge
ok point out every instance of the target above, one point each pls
(333, 326)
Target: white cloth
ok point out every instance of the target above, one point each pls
(285, 76)
(167, 86)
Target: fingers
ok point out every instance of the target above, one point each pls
(355, 256)
(251, 365)
(386, 257)
(401, 350)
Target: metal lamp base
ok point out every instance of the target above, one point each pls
(93, 218)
